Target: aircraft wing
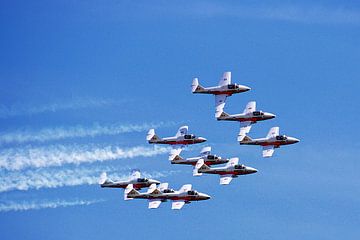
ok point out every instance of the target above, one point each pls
(226, 79)
(135, 174)
(244, 129)
(154, 203)
(225, 179)
(219, 104)
(205, 151)
(250, 107)
(232, 162)
(178, 204)
(185, 188)
(182, 131)
(175, 152)
(274, 131)
(268, 151)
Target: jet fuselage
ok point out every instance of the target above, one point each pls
(248, 117)
(208, 160)
(226, 90)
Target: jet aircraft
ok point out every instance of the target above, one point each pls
(205, 154)
(246, 119)
(231, 170)
(135, 180)
(181, 138)
(156, 195)
(270, 142)
(224, 89)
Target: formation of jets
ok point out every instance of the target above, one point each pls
(202, 164)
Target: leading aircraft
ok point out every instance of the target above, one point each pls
(247, 118)
(205, 154)
(231, 170)
(156, 195)
(135, 180)
(224, 89)
(181, 138)
(270, 142)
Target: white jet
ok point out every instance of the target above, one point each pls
(231, 170)
(247, 118)
(205, 155)
(181, 138)
(135, 180)
(156, 195)
(270, 142)
(224, 89)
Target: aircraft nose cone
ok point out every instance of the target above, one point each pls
(156, 182)
(201, 139)
(252, 170)
(245, 88)
(296, 140)
(271, 115)
(206, 197)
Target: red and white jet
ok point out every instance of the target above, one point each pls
(270, 142)
(181, 138)
(246, 119)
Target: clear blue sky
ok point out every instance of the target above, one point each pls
(73, 73)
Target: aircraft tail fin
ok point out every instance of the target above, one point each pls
(222, 115)
(151, 136)
(185, 188)
(152, 188)
(245, 139)
(104, 178)
(200, 165)
(130, 192)
(195, 86)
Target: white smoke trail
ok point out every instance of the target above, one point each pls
(35, 205)
(55, 178)
(77, 103)
(57, 155)
(59, 133)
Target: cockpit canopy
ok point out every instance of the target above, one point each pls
(212, 157)
(168, 190)
(189, 136)
(192, 192)
(142, 180)
(232, 86)
(281, 137)
(258, 113)
(239, 166)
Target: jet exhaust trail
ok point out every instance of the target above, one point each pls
(55, 178)
(57, 155)
(60, 133)
(36, 205)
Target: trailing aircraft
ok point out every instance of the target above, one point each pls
(231, 170)
(205, 154)
(181, 138)
(247, 118)
(156, 195)
(270, 142)
(224, 89)
(135, 180)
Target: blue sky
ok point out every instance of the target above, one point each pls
(82, 81)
